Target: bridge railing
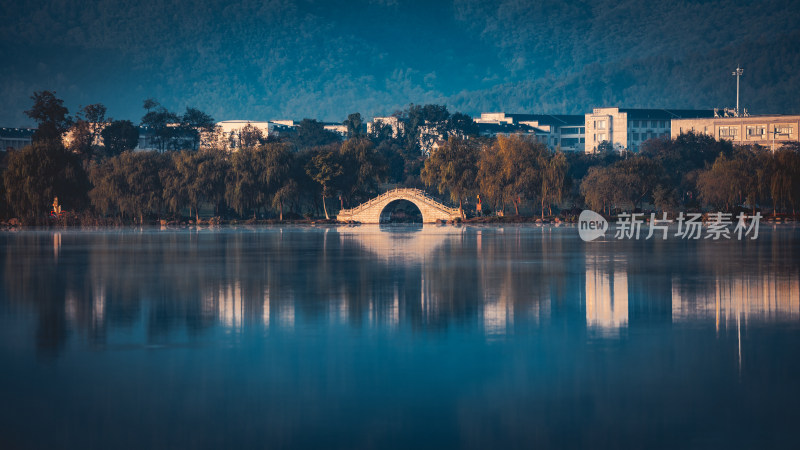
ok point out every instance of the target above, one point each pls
(413, 191)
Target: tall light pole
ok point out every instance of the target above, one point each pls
(737, 73)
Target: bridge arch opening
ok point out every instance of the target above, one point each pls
(401, 211)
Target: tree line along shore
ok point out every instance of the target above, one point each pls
(310, 175)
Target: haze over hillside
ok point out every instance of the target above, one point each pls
(281, 59)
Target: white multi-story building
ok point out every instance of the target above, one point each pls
(15, 138)
(397, 125)
(557, 131)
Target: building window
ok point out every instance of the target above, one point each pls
(728, 131)
(600, 124)
(756, 130)
(784, 130)
(635, 124)
(635, 136)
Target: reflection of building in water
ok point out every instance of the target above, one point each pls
(56, 245)
(766, 296)
(606, 298)
(498, 316)
(230, 307)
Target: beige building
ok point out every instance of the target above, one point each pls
(770, 131)
(626, 128)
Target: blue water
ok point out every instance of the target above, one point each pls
(397, 337)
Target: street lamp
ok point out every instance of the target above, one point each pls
(737, 73)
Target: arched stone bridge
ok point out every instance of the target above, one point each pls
(370, 211)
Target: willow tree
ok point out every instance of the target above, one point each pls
(244, 189)
(554, 168)
(40, 172)
(492, 179)
(129, 184)
(277, 162)
(521, 174)
(453, 169)
(199, 178)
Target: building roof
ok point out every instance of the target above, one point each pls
(557, 120)
(22, 133)
(495, 128)
(667, 114)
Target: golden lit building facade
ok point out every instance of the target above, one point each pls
(770, 131)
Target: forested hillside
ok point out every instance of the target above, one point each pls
(325, 59)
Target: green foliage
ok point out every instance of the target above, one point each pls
(193, 123)
(120, 136)
(312, 133)
(86, 128)
(158, 119)
(196, 178)
(513, 169)
(174, 132)
(362, 169)
(554, 167)
(453, 169)
(39, 173)
(355, 126)
(250, 136)
(128, 185)
(326, 169)
(51, 115)
(462, 124)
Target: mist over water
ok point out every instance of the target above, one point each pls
(396, 336)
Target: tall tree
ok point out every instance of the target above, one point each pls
(193, 123)
(51, 115)
(85, 131)
(277, 166)
(120, 136)
(355, 126)
(363, 168)
(326, 169)
(161, 123)
(462, 124)
(250, 136)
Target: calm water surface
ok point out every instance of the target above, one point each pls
(368, 337)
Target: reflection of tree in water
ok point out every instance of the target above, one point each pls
(192, 281)
(495, 278)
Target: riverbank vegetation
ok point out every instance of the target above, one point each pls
(314, 173)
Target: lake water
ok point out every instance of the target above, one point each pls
(399, 337)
